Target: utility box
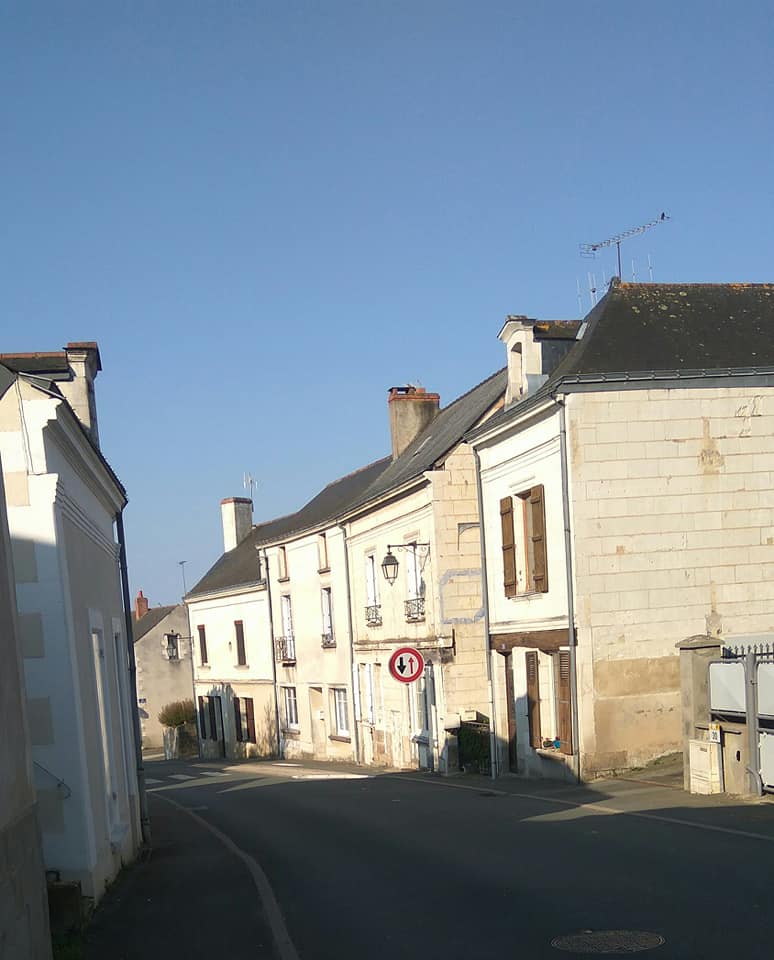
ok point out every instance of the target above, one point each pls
(706, 767)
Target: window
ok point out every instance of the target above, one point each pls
(340, 711)
(322, 553)
(244, 719)
(202, 645)
(373, 610)
(171, 643)
(291, 707)
(563, 702)
(239, 629)
(282, 556)
(208, 723)
(327, 618)
(523, 526)
(533, 699)
(367, 673)
(415, 588)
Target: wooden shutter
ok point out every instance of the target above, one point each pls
(202, 644)
(509, 547)
(250, 719)
(213, 721)
(564, 702)
(238, 720)
(240, 642)
(202, 720)
(538, 515)
(533, 699)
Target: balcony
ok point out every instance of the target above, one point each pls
(328, 641)
(373, 615)
(285, 650)
(414, 610)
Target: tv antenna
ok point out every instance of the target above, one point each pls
(590, 249)
(249, 483)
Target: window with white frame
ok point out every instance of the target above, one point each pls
(322, 553)
(372, 583)
(340, 711)
(287, 616)
(327, 617)
(367, 673)
(282, 563)
(291, 707)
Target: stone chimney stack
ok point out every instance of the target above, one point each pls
(237, 516)
(411, 410)
(140, 606)
(85, 363)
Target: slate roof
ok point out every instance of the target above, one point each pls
(37, 363)
(239, 566)
(643, 329)
(151, 619)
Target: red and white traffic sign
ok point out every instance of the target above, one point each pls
(407, 664)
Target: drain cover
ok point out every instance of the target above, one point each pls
(608, 941)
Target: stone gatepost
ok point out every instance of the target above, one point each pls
(696, 653)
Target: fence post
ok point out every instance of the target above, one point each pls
(751, 708)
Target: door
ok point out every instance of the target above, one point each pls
(319, 735)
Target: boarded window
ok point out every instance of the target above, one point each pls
(240, 642)
(564, 702)
(509, 547)
(533, 699)
(202, 644)
(238, 720)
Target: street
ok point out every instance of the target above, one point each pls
(385, 866)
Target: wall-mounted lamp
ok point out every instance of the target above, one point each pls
(390, 562)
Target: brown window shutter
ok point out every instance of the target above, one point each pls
(539, 565)
(213, 721)
(250, 719)
(564, 702)
(509, 547)
(240, 642)
(202, 720)
(533, 699)
(237, 720)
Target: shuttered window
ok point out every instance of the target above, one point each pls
(250, 717)
(533, 699)
(509, 547)
(239, 629)
(202, 719)
(564, 702)
(537, 545)
(213, 719)
(202, 644)
(238, 719)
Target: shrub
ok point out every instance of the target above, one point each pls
(177, 713)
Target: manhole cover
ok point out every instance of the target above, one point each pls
(608, 941)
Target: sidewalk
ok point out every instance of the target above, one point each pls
(190, 898)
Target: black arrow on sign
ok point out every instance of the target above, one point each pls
(401, 666)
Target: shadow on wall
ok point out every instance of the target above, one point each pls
(217, 721)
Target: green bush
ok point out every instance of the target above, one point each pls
(177, 713)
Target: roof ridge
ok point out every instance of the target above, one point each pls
(468, 393)
(352, 473)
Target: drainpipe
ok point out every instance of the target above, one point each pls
(273, 658)
(570, 586)
(350, 620)
(485, 604)
(142, 796)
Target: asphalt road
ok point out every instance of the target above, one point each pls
(386, 867)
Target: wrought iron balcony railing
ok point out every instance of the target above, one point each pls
(373, 615)
(285, 649)
(414, 609)
(328, 641)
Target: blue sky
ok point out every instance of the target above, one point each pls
(269, 213)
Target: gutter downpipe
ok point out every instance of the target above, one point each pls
(142, 795)
(273, 659)
(560, 401)
(485, 606)
(350, 620)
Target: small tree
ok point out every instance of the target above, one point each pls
(178, 713)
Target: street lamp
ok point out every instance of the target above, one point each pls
(390, 562)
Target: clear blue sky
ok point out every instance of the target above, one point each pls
(268, 213)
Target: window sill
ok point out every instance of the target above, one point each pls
(283, 579)
(241, 666)
(550, 753)
(291, 734)
(205, 666)
(324, 569)
(340, 739)
(527, 594)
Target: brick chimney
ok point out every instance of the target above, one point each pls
(237, 516)
(140, 606)
(84, 361)
(411, 410)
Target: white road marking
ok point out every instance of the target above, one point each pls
(214, 773)
(149, 781)
(286, 949)
(181, 776)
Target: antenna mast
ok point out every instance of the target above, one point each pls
(590, 249)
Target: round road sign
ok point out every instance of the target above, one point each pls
(407, 664)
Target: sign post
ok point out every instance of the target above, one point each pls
(407, 664)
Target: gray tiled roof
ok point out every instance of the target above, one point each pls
(239, 566)
(148, 621)
(665, 328)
